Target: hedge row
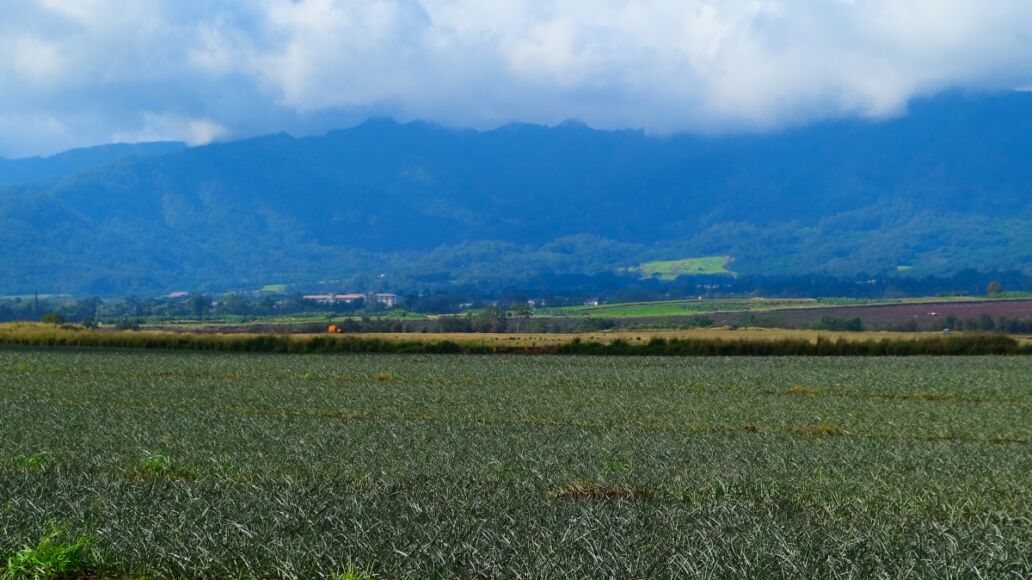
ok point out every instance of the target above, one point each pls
(937, 346)
(235, 343)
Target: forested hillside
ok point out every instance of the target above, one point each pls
(943, 188)
(47, 170)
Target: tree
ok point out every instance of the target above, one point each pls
(520, 311)
(234, 304)
(839, 324)
(986, 322)
(994, 288)
(86, 309)
(199, 305)
(52, 318)
(490, 319)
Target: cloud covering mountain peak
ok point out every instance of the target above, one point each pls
(91, 71)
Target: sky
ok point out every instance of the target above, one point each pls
(86, 72)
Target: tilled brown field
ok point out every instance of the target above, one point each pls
(882, 317)
(926, 315)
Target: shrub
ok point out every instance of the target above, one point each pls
(35, 460)
(972, 344)
(595, 324)
(838, 324)
(52, 559)
(53, 318)
(160, 466)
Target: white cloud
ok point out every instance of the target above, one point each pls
(34, 133)
(158, 127)
(35, 60)
(103, 68)
(203, 131)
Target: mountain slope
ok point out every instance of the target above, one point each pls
(944, 188)
(47, 170)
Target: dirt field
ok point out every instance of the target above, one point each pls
(882, 317)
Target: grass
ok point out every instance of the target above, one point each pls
(155, 465)
(711, 342)
(52, 558)
(678, 307)
(822, 430)
(34, 461)
(708, 306)
(312, 466)
(352, 574)
(707, 343)
(672, 269)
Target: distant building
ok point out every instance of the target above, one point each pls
(388, 300)
(320, 298)
(334, 298)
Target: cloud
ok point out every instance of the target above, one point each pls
(105, 69)
(36, 61)
(156, 127)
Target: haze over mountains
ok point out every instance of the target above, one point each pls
(944, 188)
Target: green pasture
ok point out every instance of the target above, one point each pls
(676, 307)
(671, 269)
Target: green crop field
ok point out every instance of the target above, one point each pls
(671, 269)
(678, 307)
(709, 305)
(133, 463)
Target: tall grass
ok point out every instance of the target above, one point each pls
(980, 344)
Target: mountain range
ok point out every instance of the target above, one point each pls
(945, 187)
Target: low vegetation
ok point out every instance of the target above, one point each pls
(700, 345)
(201, 464)
(838, 324)
(938, 346)
(53, 556)
(673, 269)
(678, 307)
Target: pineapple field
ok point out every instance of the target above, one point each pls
(202, 464)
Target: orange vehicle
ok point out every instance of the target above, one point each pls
(334, 329)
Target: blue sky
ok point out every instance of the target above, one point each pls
(83, 72)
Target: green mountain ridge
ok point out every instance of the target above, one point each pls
(944, 188)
